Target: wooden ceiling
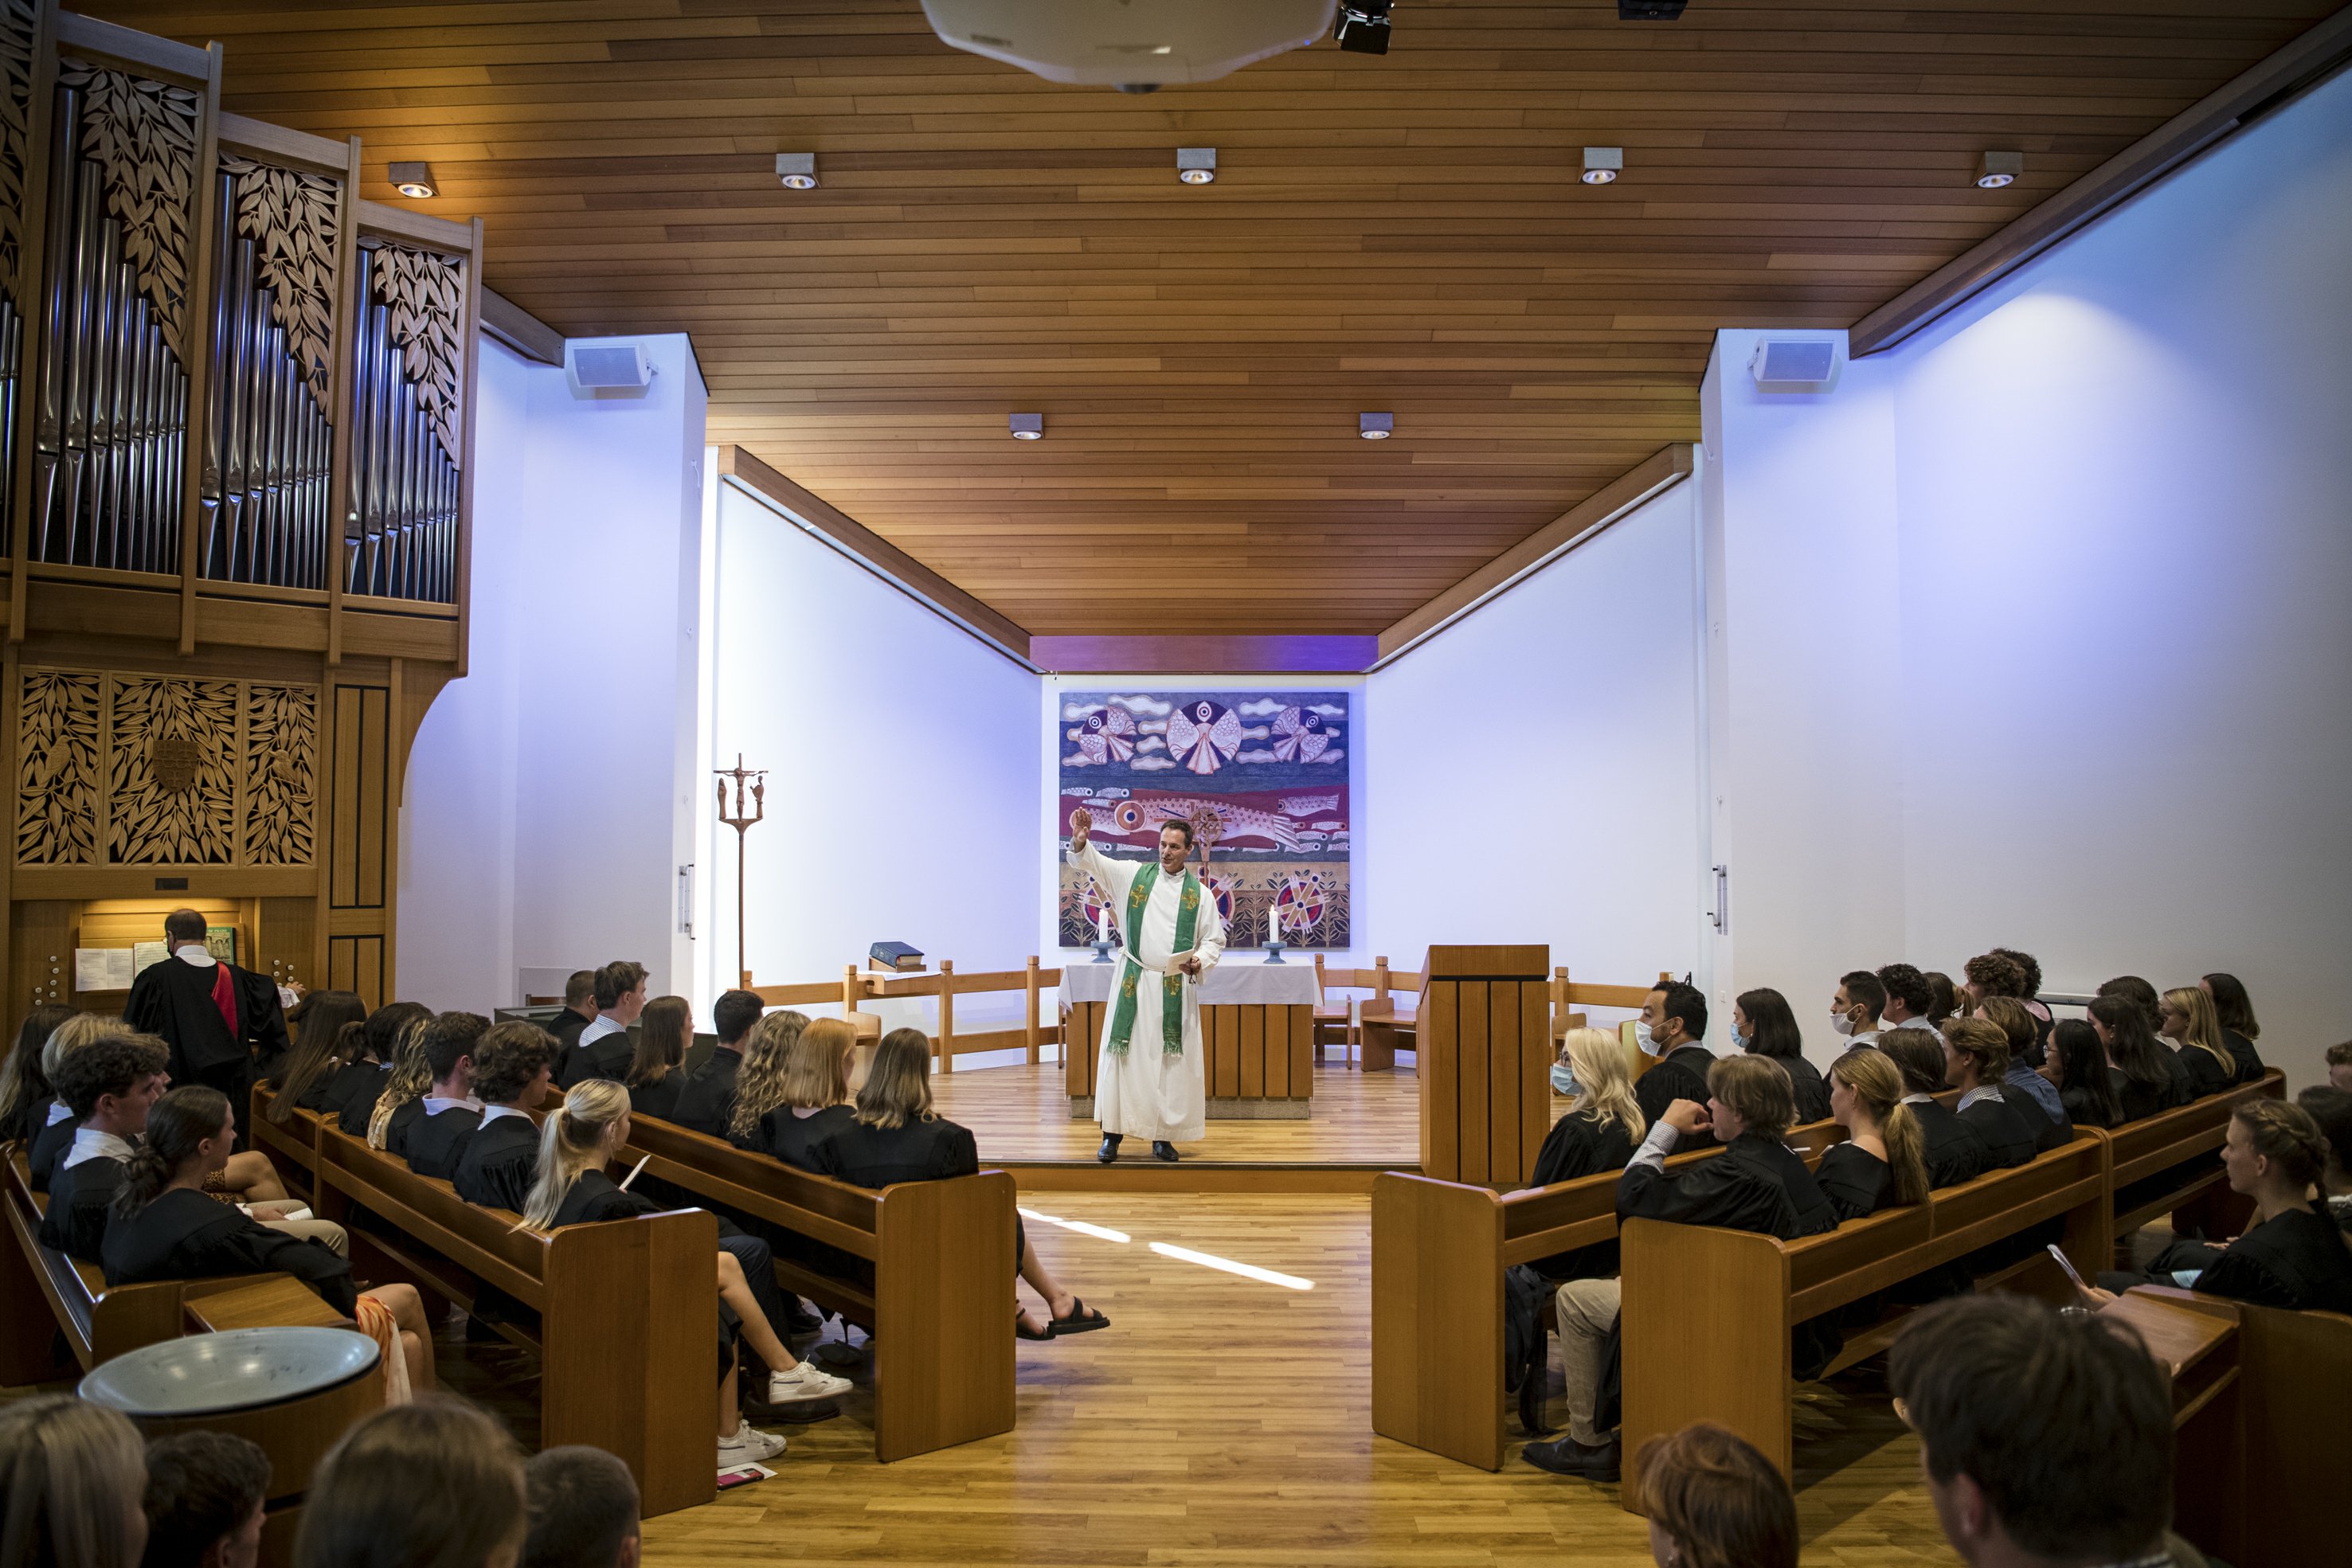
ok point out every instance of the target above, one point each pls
(1404, 234)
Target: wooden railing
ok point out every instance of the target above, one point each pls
(943, 986)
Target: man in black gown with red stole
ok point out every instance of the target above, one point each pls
(216, 1017)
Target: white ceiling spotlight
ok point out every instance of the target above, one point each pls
(2000, 169)
(414, 180)
(1603, 164)
(1376, 426)
(1133, 48)
(1028, 427)
(1196, 166)
(797, 171)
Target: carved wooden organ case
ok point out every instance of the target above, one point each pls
(235, 428)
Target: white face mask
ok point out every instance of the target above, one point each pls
(1564, 1078)
(1643, 1037)
(1841, 1023)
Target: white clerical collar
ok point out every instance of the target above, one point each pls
(195, 953)
(90, 1143)
(492, 1112)
(435, 1104)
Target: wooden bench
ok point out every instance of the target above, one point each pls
(2148, 1148)
(940, 1304)
(1439, 1249)
(628, 1330)
(1708, 1312)
(44, 1294)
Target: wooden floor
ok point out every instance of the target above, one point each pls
(1225, 1421)
(1021, 1114)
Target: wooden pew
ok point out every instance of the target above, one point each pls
(2149, 1148)
(44, 1294)
(1439, 1249)
(940, 1307)
(628, 1310)
(1708, 1312)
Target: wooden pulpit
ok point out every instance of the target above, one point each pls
(1484, 1055)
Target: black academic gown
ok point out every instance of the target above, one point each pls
(79, 1199)
(499, 1161)
(185, 1234)
(1855, 1181)
(565, 1026)
(2297, 1259)
(2250, 1060)
(877, 1156)
(433, 1143)
(49, 1146)
(2142, 1099)
(794, 1139)
(1680, 1075)
(2083, 1109)
(174, 999)
(1812, 1090)
(707, 1097)
(1581, 1145)
(1954, 1153)
(1757, 1184)
(2048, 1134)
(2206, 1075)
(605, 1056)
(356, 1089)
(2008, 1140)
(659, 1099)
(404, 1118)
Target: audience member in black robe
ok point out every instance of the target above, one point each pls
(218, 1019)
(577, 1144)
(895, 1136)
(513, 1068)
(2194, 1035)
(446, 1113)
(578, 1012)
(2234, 1010)
(57, 1122)
(655, 1074)
(2332, 1110)
(26, 1095)
(1674, 1023)
(707, 1097)
(1909, 998)
(2126, 1013)
(1881, 1162)
(2293, 1255)
(1763, 1024)
(1856, 1007)
(1757, 1183)
(2026, 1090)
(1951, 1149)
(328, 1029)
(2028, 995)
(2087, 1084)
(759, 1081)
(1975, 1054)
(165, 1227)
(110, 1085)
(354, 1090)
(1595, 1136)
(603, 1049)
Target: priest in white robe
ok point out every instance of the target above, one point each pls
(1148, 1074)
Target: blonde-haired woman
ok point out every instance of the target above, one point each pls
(759, 1081)
(814, 1087)
(1603, 1124)
(1883, 1159)
(2194, 1029)
(71, 1475)
(576, 1144)
(897, 1136)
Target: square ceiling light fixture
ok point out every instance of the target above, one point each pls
(1376, 426)
(2000, 169)
(1028, 427)
(797, 171)
(414, 180)
(1196, 166)
(1603, 166)
(1363, 26)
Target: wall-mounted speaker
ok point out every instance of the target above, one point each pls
(600, 367)
(1796, 365)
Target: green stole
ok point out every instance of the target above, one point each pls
(1171, 987)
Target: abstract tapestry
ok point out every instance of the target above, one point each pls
(1261, 776)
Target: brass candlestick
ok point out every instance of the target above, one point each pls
(757, 777)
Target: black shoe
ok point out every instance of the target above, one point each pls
(1109, 1150)
(1164, 1151)
(1569, 1458)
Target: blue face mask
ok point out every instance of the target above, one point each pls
(1743, 1041)
(1564, 1078)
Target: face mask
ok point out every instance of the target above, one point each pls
(1643, 1037)
(1743, 1041)
(1564, 1078)
(1841, 1023)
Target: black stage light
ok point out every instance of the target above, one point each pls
(1363, 26)
(1650, 10)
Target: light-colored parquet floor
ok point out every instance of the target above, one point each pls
(1021, 1113)
(1223, 1421)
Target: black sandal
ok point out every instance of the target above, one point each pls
(1081, 1320)
(1023, 1330)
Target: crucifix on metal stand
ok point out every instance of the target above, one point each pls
(757, 777)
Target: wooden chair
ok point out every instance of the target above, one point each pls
(1386, 1023)
(1334, 1024)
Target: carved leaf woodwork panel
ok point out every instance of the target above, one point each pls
(427, 296)
(57, 768)
(281, 772)
(291, 218)
(17, 20)
(143, 135)
(171, 779)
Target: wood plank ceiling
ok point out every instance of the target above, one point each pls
(1404, 234)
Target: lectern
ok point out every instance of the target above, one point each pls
(1486, 1050)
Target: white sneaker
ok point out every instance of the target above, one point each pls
(804, 1383)
(748, 1446)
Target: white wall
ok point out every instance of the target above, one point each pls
(1535, 770)
(550, 793)
(903, 781)
(2036, 624)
